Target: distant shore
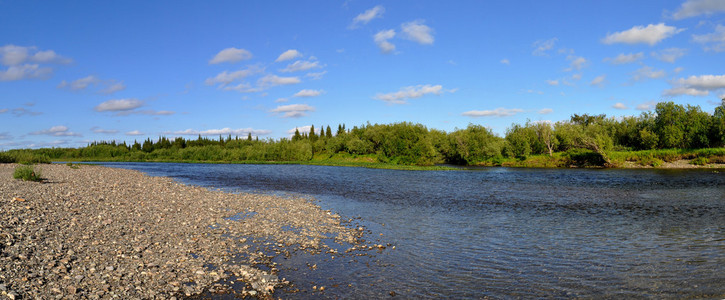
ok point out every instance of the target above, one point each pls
(97, 232)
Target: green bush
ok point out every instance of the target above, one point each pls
(584, 158)
(27, 173)
(700, 161)
(6, 158)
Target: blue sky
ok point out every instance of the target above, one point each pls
(72, 72)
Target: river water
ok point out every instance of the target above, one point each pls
(500, 232)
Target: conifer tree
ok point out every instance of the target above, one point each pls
(328, 134)
(249, 136)
(313, 135)
(297, 135)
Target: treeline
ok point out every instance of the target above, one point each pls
(594, 137)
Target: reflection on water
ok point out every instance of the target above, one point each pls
(502, 232)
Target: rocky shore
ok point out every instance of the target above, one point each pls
(96, 232)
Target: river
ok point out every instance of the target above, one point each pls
(500, 232)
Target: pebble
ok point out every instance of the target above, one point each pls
(97, 232)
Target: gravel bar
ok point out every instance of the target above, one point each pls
(99, 233)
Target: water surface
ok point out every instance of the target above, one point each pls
(500, 232)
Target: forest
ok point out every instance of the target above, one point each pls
(668, 133)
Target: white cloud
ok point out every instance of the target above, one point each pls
(505, 61)
(418, 32)
(119, 105)
(541, 47)
(134, 133)
(499, 112)
(11, 55)
(230, 55)
(309, 93)
(649, 105)
(697, 85)
(20, 111)
(280, 100)
(288, 55)
(652, 34)
(226, 77)
(223, 131)
(27, 71)
(293, 110)
(545, 111)
(676, 91)
(83, 83)
(552, 82)
(24, 62)
(599, 80)
(56, 131)
(381, 39)
(315, 76)
(274, 80)
(576, 63)
(625, 58)
(619, 105)
(107, 86)
(693, 8)
(669, 55)
(149, 112)
(712, 41)
(367, 16)
(4, 110)
(409, 92)
(301, 65)
(113, 86)
(97, 129)
(647, 72)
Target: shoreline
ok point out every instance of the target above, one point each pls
(626, 165)
(98, 232)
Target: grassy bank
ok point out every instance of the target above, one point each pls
(709, 157)
(574, 158)
(338, 160)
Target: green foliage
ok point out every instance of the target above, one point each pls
(474, 145)
(27, 173)
(648, 139)
(586, 140)
(700, 161)
(6, 158)
(584, 158)
(518, 141)
(25, 157)
(670, 124)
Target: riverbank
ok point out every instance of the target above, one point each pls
(97, 232)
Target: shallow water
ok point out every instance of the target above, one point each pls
(501, 233)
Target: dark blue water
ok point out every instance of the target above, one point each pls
(501, 233)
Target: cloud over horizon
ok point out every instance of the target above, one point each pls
(499, 112)
(651, 35)
(410, 92)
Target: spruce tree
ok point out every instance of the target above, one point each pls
(329, 132)
(297, 135)
(313, 135)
